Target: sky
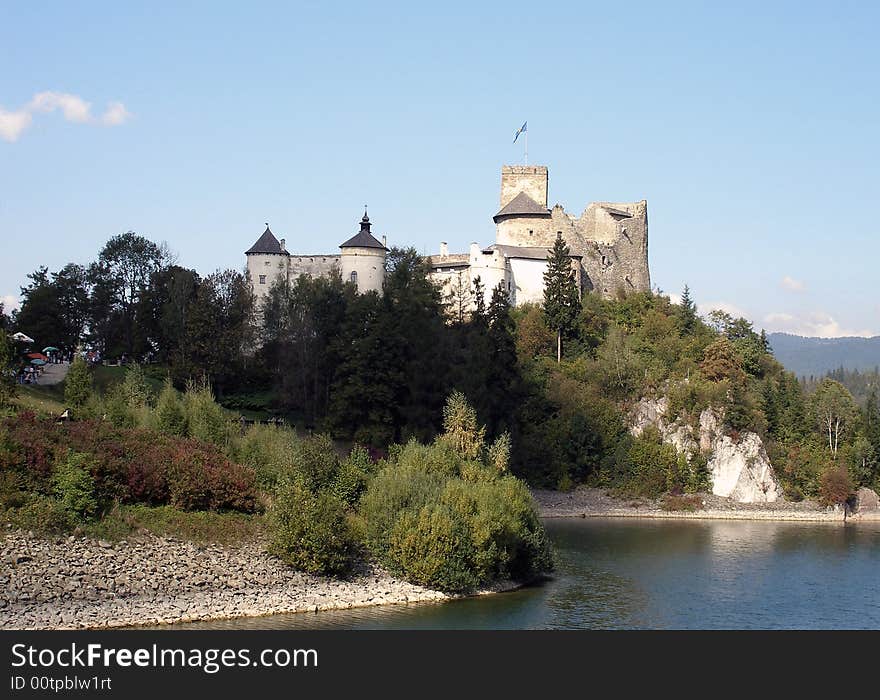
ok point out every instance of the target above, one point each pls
(750, 128)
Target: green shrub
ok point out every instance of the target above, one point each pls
(688, 503)
(205, 418)
(170, 412)
(269, 451)
(432, 547)
(352, 476)
(472, 533)
(310, 531)
(315, 461)
(440, 517)
(78, 384)
(74, 487)
(42, 514)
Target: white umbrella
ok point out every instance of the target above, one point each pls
(22, 337)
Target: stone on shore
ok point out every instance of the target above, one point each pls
(867, 500)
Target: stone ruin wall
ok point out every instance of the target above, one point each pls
(614, 248)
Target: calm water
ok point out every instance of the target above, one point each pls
(661, 574)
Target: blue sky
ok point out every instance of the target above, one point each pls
(751, 129)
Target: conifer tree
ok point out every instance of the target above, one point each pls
(479, 315)
(78, 383)
(503, 374)
(561, 298)
(687, 313)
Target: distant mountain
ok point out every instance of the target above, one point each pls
(816, 356)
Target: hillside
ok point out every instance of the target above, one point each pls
(816, 356)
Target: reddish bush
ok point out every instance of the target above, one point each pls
(200, 478)
(30, 445)
(130, 465)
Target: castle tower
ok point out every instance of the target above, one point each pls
(523, 219)
(267, 262)
(362, 259)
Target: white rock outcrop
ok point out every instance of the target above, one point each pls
(740, 470)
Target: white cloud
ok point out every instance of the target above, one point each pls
(727, 307)
(73, 107)
(10, 303)
(12, 124)
(115, 115)
(792, 284)
(814, 324)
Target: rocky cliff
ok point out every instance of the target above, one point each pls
(739, 468)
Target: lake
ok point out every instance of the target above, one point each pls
(661, 574)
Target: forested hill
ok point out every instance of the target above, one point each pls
(816, 356)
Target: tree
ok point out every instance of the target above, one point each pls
(78, 383)
(119, 278)
(834, 411)
(70, 286)
(561, 298)
(721, 361)
(38, 314)
(461, 428)
(220, 328)
(459, 299)
(502, 389)
(687, 313)
(872, 421)
(7, 367)
(479, 314)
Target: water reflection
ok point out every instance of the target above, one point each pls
(661, 574)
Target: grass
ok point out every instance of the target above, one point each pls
(42, 515)
(165, 521)
(42, 400)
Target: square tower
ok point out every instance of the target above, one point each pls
(531, 179)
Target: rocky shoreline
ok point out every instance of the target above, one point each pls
(77, 583)
(584, 502)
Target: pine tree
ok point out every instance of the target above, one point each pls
(872, 421)
(561, 298)
(78, 383)
(503, 373)
(687, 312)
(479, 315)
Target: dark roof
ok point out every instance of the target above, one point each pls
(267, 243)
(522, 204)
(363, 238)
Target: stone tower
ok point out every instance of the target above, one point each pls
(362, 259)
(610, 238)
(267, 262)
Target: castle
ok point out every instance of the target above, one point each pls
(608, 245)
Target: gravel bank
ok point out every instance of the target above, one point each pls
(584, 502)
(75, 582)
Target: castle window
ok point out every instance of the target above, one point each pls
(262, 279)
(354, 277)
(531, 232)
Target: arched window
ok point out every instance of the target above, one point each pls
(354, 277)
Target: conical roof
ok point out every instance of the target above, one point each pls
(267, 243)
(521, 205)
(363, 238)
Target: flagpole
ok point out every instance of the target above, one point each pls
(527, 146)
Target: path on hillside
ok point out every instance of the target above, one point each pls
(53, 374)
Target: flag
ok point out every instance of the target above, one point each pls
(519, 131)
